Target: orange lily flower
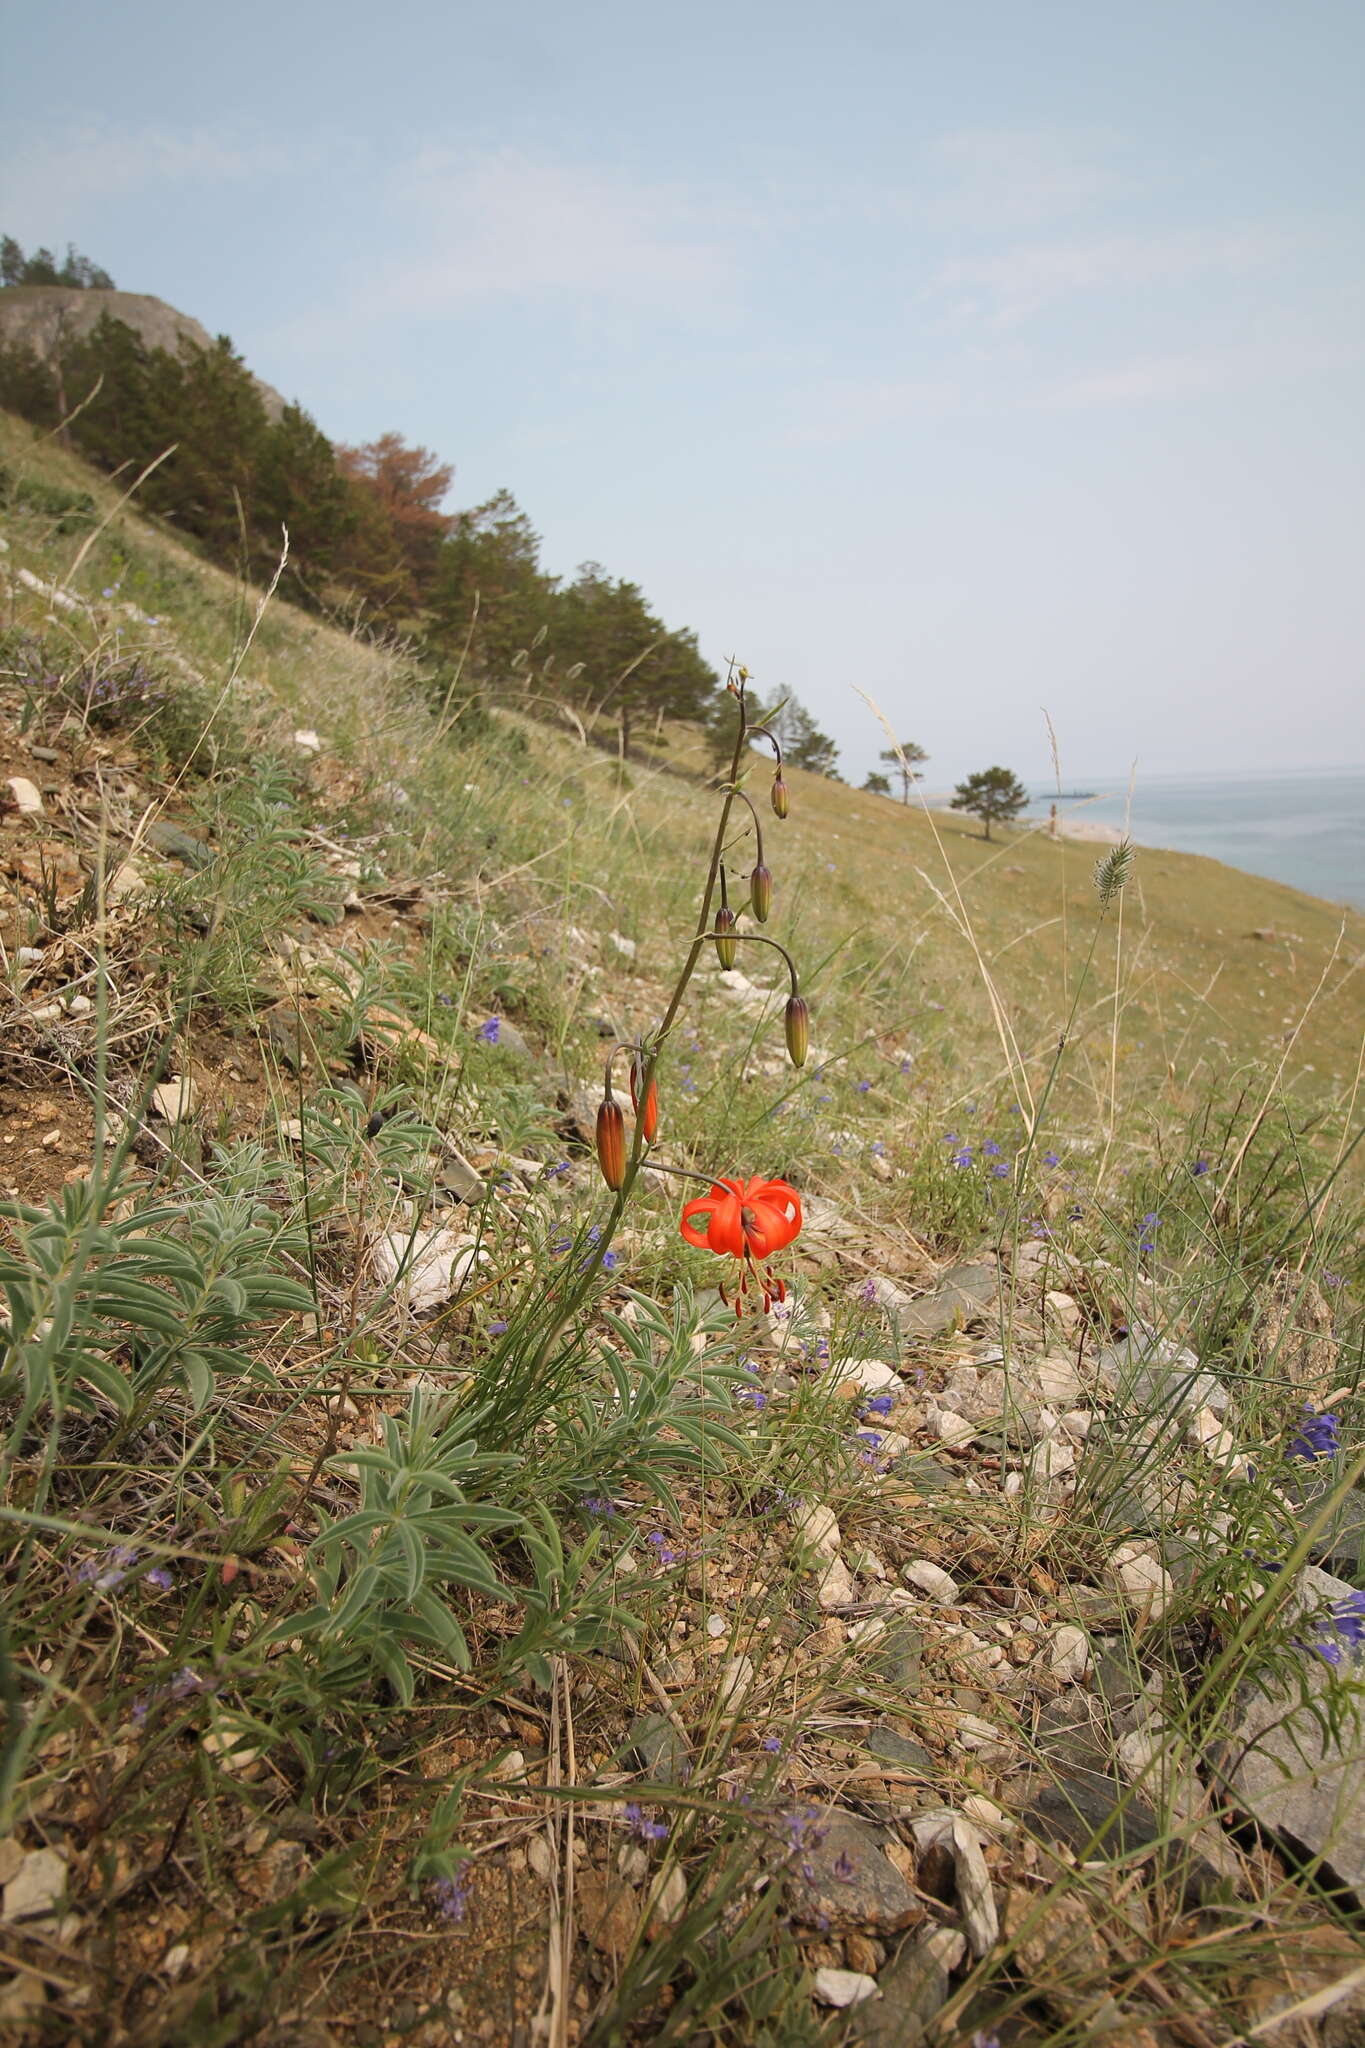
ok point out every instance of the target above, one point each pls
(747, 1220)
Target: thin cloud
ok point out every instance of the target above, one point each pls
(1014, 285)
(1162, 379)
(55, 176)
(507, 226)
(1009, 179)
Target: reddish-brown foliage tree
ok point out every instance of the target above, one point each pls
(407, 485)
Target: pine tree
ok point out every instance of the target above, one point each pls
(995, 795)
(901, 761)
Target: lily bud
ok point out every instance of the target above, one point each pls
(649, 1119)
(781, 795)
(761, 893)
(796, 1025)
(611, 1144)
(726, 949)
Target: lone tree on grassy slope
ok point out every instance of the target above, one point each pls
(877, 784)
(995, 795)
(902, 760)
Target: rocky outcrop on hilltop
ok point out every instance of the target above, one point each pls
(45, 317)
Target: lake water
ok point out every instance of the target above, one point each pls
(1306, 829)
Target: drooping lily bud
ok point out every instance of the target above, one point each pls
(726, 949)
(796, 1025)
(611, 1143)
(761, 893)
(781, 795)
(648, 1120)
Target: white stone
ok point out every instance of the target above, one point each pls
(624, 946)
(1069, 1657)
(736, 1677)
(952, 1429)
(933, 1580)
(869, 1630)
(865, 1562)
(171, 1100)
(667, 1897)
(980, 1919)
(1057, 1380)
(716, 1626)
(308, 741)
(427, 1266)
(37, 1887)
(844, 1987)
(818, 1528)
(1062, 1310)
(1142, 1578)
(986, 1814)
(25, 794)
(1076, 1424)
(872, 1373)
(947, 1947)
(1051, 1459)
(836, 1587)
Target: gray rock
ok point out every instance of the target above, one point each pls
(457, 1179)
(840, 1876)
(901, 1752)
(177, 844)
(963, 1293)
(914, 1991)
(1082, 1812)
(1283, 1766)
(898, 1657)
(656, 1746)
(1150, 1373)
(511, 1041)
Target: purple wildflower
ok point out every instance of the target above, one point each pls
(646, 1830)
(964, 1157)
(878, 1148)
(1051, 1159)
(1319, 1437)
(1331, 1279)
(868, 1291)
(879, 1404)
(1001, 1170)
(451, 1895)
(1200, 1168)
(803, 1829)
(991, 1149)
(662, 1551)
(106, 1571)
(488, 1032)
(1347, 1619)
(844, 1868)
(599, 1507)
(772, 1743)
(496, 1329)
(161, 1577)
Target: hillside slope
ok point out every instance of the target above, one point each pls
(431, 1613)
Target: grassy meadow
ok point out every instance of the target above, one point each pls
(430, 1615)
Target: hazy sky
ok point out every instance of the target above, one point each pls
(983, 356)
